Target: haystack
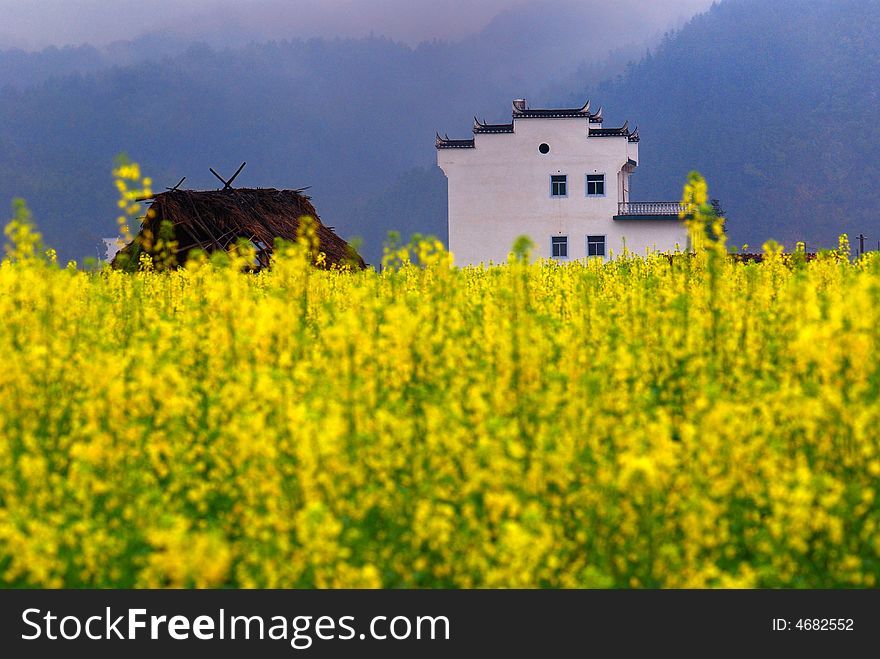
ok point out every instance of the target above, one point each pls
(217, 220)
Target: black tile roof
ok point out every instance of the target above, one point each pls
(623, 131)
(522, 111)
(483, 127)
(446, 143)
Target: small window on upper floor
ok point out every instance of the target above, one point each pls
(559, 185)
(595, 245)
(559, 247)
(595, 185)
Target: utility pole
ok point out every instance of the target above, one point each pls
(861, 244)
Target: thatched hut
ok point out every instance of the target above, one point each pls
(217, 220)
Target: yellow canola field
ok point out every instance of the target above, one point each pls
(647, 422)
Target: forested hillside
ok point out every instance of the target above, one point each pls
(774, 101)
(353, 120)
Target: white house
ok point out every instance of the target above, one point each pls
(559, 177)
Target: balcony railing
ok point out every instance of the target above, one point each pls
(649, 208)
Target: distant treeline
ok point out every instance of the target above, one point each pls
(774, 101)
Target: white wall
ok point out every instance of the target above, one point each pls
(500, 190)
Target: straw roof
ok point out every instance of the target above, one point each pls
(216, 220)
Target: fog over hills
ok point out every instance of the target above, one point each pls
(776, 104)
(352, 119)
(35, 24)
(774, 100)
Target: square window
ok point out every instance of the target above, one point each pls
(595, 185)
(595, 245)
(558, 185)
(559, 247)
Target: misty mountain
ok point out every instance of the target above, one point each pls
(20, 68)
(351, 119)
(776, 103)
